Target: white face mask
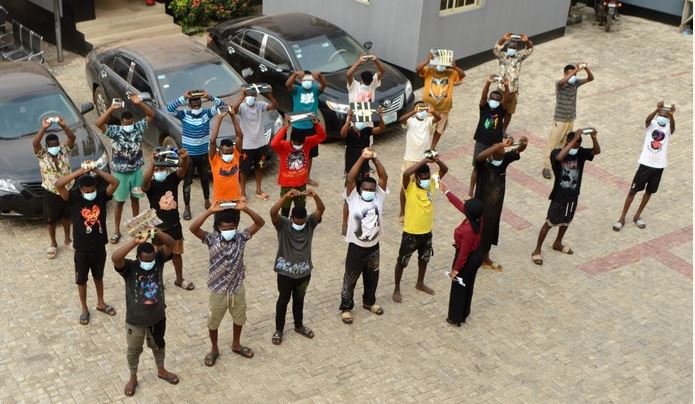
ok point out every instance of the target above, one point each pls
(250, 100)
(660, 120)
(421, 115)
(196, 111)
(440, 68)
(496, 163)
(572, 80)
(368, 196)
(128, 128)
(511, 52)
(147, 266)
(90, 196)
(364, 87)
(298, 227)
(227, 158)
(307, 84)
(298, 146)
(360, 125)
(425, 184)
(160, 176)
(573, 152)
(493, 103)
(56, 149)
(228, 234)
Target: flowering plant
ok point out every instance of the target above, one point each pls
(192, 13)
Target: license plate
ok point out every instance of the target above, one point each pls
(612, 5)
(390, 117)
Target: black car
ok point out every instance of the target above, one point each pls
(29, 94)
(162, 69)
(267, 49)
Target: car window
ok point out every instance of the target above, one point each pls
(121, 66)
(252, 41)
(236, 38)
(217, 78)
(140, 81)
(275, 53)
(21, 115)
(326, 53)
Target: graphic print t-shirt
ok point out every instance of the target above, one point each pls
(88, 220)
(568, 174)
(225, 177)
(305, 101)
(164, 198)
(365, 220)
(294, 247)
(655, 147)
(490, 128)
(439, 88)
(144, 291)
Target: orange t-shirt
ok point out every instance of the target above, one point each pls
(225, 177)
(439, 88)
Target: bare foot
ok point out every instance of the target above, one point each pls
(425, 289)
(167, 376)
(396, 296)
(131, 386)
(312, 183)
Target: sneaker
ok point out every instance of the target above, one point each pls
(187, 213)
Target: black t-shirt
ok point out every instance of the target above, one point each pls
(568, 174)
(144, 291)
(157, 195)
(491, 178)
(490, 128)
(88, 220)
(355, 142)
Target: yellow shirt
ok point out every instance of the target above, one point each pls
(439, 88)
(418, 208)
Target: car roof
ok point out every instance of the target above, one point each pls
(25, 77)
(165, 52)
(291, 27)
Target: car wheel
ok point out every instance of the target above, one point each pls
(169, 141)
(100, 100)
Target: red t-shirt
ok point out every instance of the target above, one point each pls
(294, 164)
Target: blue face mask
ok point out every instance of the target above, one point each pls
(228, 234)
(368, 196)
(496, 163)
(160, 176)
(54, 150)
(147, 266)
(573, 152)
(440, 68)
(307, 84)
(511, 52)
(572, 80)
(90, 196)
(425, 184)
(661, 120)
(421, 115)
(493, 103)
(360, 125)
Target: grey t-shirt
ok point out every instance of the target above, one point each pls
(294, 247)
(251, 123)
(566, 101)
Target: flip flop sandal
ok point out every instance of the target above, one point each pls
(537, 259)
(375, 308)
(493, 267)
(130, 393)
(84, 318)
(617, 226)
(115, 238)
(640, 223)
(305, 331)
(277, 338)
(211, 358)
(346, 316)
(69, 246)
(263, 196)
(51, 252)
(244, 351)
(170, 378)
(188, 285)
(565, 250)
(108, 310)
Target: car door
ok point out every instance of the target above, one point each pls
(233, 53)
(275, 57)
(114, 76)
(249, 52)
(142, 83)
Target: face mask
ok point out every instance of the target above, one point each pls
(572, 80)
(227, 158)
(147, 266)
(360, 125)
(160, 176)
(573, 152)
(368, 196)
(421, 115)
(196, 111)
(425, 184)
(298, 227)
(307, 84)
(90, 196)
(364, 87)
(511, 52)
(298, 146)
(440, 68)
(128, 128)
(228, 234)
(56, 149)
(660, 120)
(493, 103)
(496, 163)
(250, 101)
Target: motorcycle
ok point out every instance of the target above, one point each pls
(607, 12)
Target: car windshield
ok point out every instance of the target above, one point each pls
(21, 115)
(217, 78)
(327, 53)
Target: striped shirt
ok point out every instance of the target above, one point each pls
(195, 129)
(566, 101)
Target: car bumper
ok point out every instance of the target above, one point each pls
(25, 204)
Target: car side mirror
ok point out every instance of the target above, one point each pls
(282, 67)
(86, 108)
(246, 73)
(368, 45)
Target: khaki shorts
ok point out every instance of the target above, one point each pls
(511, 103)
(442, 123)
(219, 304)
(557, 138)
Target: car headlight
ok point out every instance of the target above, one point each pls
(102, 161)
(8, 186)
(277, 124)
(408, 89)
(340, 108)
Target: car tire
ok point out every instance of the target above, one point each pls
(168, 141)
(100, 100)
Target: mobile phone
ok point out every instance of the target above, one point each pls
(582, 66)
(53, 119)
(197, 93)
(368, 57)
(223, 109)
(516, 37)
(588, 131)
(118, 102)
(423, 107)
(228, 204)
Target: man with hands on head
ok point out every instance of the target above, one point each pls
(225, 160)
(87, 205)
(510, 61)
(145, 317)
(54, 162)
(293, 262)
(364, 90)
(126, 157)
(226, 271)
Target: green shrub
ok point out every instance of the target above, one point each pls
(202, 13)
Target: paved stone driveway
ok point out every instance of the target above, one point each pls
(611, 323)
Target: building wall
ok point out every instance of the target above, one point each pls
(672, 7)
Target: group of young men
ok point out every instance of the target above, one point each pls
(80, 197)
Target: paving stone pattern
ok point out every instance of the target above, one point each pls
(612, 323)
